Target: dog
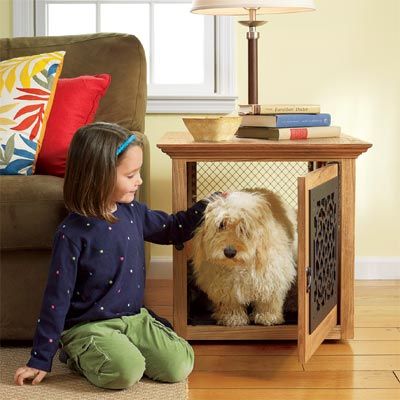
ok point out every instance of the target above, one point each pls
(245, 254)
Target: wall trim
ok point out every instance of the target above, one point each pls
(191, 105)
(160, 268)
(366, 268)
(23, 18)
(377, 268)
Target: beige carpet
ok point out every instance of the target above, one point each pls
(63, 384)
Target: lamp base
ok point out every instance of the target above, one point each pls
(252, 61)
(253, 24)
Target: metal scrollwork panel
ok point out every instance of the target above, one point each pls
(324, 223)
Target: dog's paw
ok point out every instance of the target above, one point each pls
(232, 319)
(267, 318)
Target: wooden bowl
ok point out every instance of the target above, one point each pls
(212, 129)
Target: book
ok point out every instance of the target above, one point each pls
(288, 133)
(260, 109)
(286, 120)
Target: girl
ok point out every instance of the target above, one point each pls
(93, 302)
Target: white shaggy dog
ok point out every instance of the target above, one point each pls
(245, 253)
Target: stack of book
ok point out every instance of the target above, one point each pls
(285, 121)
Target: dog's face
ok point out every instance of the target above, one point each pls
(232, 228)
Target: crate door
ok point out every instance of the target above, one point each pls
(318, 218)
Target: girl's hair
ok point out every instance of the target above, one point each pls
(91, 175)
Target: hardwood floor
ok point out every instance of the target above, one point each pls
(367, 367)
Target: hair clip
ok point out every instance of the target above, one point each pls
(125, 144)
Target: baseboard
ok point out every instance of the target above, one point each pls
(365, 268)
(377, 268)
(160, 268)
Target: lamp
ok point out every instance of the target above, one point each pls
(251, 7)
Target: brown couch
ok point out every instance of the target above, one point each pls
(31, 207)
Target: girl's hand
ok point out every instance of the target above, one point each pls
(215, 195)
(36, 375)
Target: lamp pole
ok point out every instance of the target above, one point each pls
(252, 38)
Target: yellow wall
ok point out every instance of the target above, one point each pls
(5, 18)
(345, 57)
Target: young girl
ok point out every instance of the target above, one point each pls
(93, 302)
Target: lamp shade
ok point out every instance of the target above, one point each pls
(240, 7)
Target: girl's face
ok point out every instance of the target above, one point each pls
(128, 176)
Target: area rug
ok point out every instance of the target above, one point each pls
(62, 383)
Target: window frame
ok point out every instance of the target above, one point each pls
(221, 98)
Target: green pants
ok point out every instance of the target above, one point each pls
(115, 353)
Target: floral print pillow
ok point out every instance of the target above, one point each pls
(27, 88)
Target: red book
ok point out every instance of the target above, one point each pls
(288, 133)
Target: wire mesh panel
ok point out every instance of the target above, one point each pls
(280, 177)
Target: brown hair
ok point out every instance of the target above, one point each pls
(90, 176)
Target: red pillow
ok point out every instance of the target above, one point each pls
(75, 104)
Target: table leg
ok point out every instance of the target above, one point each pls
(347, 205)
(179, 202)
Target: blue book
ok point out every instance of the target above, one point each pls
(286, 120)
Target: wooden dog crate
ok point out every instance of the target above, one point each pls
(322, 187)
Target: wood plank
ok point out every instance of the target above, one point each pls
(247, 363)
(381, 301)
(353, 363)
(309, 342)
(367, 347)
(179, 202)
(377, 291)
(375, 282)
(250, 332)
(288, 348)
(318, 336)
(290, 363)
(180, 145)
(346, 246)
(321, 175)
(302, 264)
(163, 311)
(158, 292)
(294, 379)
(377, 295)
(378, 316)
(374, 348)
(157, 283)
(364, 347)
(376, 334)
(294, 394)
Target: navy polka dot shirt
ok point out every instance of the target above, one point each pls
(97, 270)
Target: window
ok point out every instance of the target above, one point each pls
(190, 57)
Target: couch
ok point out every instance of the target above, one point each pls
(32, 206)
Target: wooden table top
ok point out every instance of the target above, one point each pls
(180, 145)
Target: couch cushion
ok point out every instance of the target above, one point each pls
(31, 208)
(75, 105)
(27, 88)
(120, 55)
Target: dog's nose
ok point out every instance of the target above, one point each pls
(229, 252)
